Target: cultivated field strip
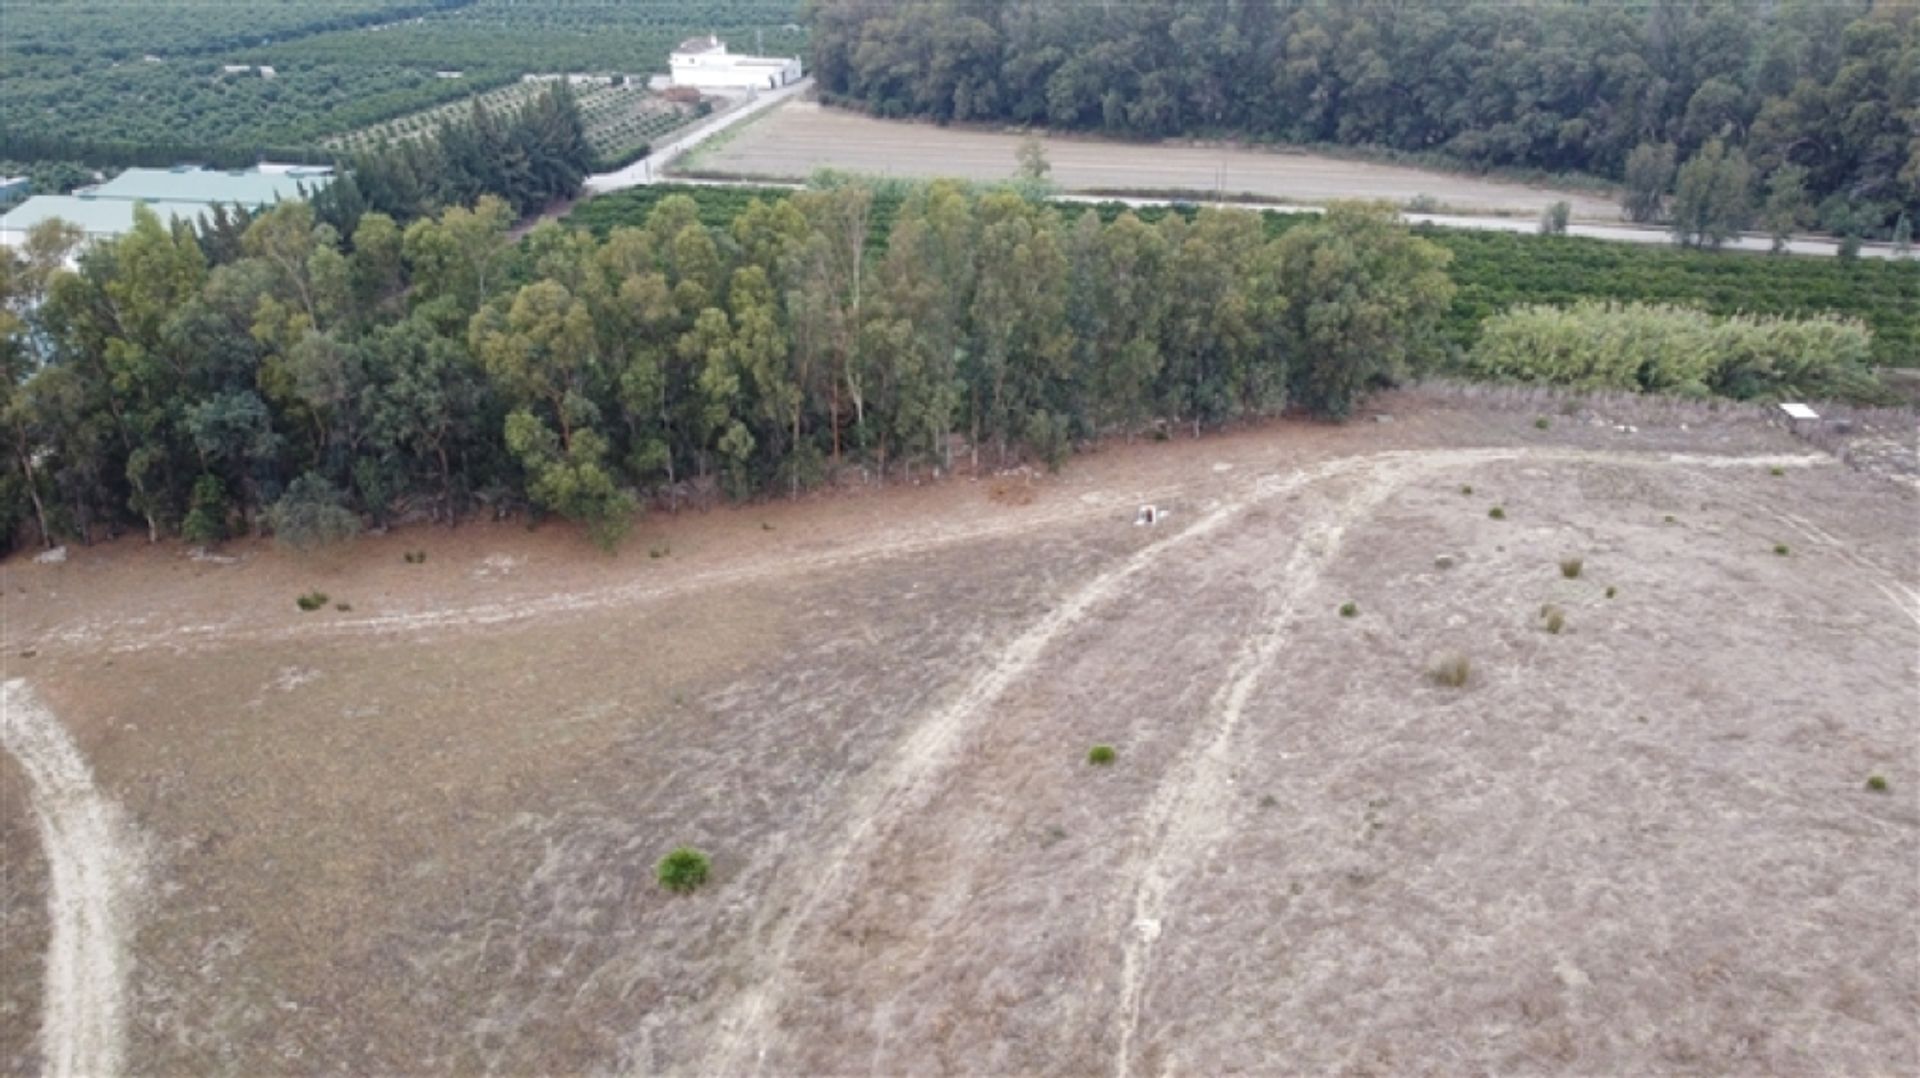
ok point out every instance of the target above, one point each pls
(95, 877)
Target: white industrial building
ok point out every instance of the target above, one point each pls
(104, 210)
(705, 64)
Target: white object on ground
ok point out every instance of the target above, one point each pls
(1796, 410)
(51, 557)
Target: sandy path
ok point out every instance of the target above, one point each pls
(1191, 805)
(1191, 810)
(123, 634)
(95, 873)
(903, 785)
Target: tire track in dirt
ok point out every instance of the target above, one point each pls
(119, 637)
(906, 780)
(181, 639)
(1903, 596)
(1192, 803)
(1191, 807)
(909, 779)
(95, 875)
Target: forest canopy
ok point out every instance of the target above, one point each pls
(191, 385)
(1831, 88)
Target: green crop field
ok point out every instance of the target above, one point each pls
(121, 83)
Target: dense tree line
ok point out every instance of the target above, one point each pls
(528, 157)
(204, 385)
(1623, 90)
(1493, 271)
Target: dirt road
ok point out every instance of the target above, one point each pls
(95, 879)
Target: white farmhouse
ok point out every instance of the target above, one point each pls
(705, 64)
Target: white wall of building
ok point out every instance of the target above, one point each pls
(714, 68)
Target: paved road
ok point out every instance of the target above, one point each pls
(649, 168)
(1621, 233)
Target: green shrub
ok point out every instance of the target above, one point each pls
(1348, 610)
(1556, 619)
(1497, 513)
(207, 512)
(1776, 471)
(343, 607)
(1542, 423)
(1610, 591)
(312, 514)
(1100, 755)
(1466, 488)
(659, 551)
(1877, 783)
(1570, 568)
(1658, 348)
(312, 601)
(415, 557)
(1450, 670)
(1781, 549)
(683, 870)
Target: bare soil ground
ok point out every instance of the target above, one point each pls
(792, 141)
(418, 836)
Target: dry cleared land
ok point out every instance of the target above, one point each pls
(792, 141)
(419, 835)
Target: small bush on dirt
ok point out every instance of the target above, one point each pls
(1542, 423)
(1781, 549)
(343, 607)
(1877, 783)
(415, 557)
(1556, 620)
(1570, 568)
(311, 514)
(683, 870)
(1348, 610)
(1611, 591)
(1466, 488)
(659, 551)
(1776, 471)
(1668, 519)
(1497, 513)
(1100, 755)
(1450, 670)
(312, 601)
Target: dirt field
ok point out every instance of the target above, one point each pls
(418, 835)
(792, 141)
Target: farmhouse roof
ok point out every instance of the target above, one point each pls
(705, 43)
(251, 188)
(94, 216)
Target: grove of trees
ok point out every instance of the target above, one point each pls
(1622, 90)
(180, 386)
